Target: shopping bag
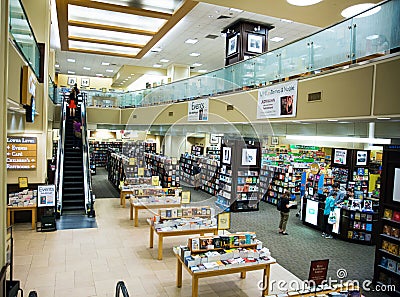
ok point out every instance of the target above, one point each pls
(332, 218)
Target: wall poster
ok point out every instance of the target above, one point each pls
(277, 101)
(198, 110)
(340, 157)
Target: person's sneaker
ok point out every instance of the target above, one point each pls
(323, 234)
(284, 233)
(328, 236)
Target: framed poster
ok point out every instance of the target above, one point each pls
(22, 182)
(46, 195)
(198, 110)
(232, 45)
(254, 43)
(185, 197)
(362, 157)
(85, 82)
(71, 80)
(214, 139)
(226, 155)
(224, 220)
(274, 140)
(340, 157)
(249, 157)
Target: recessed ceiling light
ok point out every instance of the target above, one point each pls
(105, 63)
(57, 65)
(276, 39)
(202, 71)
(99, 74)
(196, 64)
(194, 54)
(356, 9)
(383, 118)
(109, 70)
(87, 68)
(71, 60)
(372, 37)
(157, 65)
(164, 60)
(235, 10)
(303, 2)
(129, 76)
(332, 120)
(191, 41)
(132, 74)
(286, 21)
(71, 72)
(156, 49)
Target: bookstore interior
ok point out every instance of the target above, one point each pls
(189, 157)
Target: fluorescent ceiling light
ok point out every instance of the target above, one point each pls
(383, 118)
(132, 74)
(99, 74)
(109, 70)
(156, 49)
(71, 72)
(356, 9)
(202, 71)
(235, 10)
(157, 65)
(286, 21)
(129, 76)
(103, 47)
(194, 54)
(276, 39)
(108, 35)
(105, 63)
(57, 65)
(164, 60)
(372, 37)
(191, 41)
(111, 18)
(339, 139)
(71, 60)
(332, 120)
(303, 2)
(196, 64)
(87, 68)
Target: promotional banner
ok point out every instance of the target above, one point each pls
(198, 110)
(340, 157)
(46, 195)
(277, 101)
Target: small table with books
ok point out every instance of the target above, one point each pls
(12, 209)
(135, 206)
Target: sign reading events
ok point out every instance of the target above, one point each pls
(277, 101)
(21, 153)
(198, 110)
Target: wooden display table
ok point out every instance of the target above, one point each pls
(138, 206)
(12, 209)
(122, 196)
(217, 272)
(162, 234)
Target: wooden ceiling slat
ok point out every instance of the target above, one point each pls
(102, 41)
(78, 50)
(110, 28)
(62, 16)
(185, 8)
(121, 9)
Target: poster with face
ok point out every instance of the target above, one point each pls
(249, 157)
(361, 158)
(226, 155)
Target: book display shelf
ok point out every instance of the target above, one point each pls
(209, 175)
(134, 163)
(387, 256)
(239, 175)
(186, 163)
(361, 226)
(166, 168)
(150, 147)
(197, 150)
(99, 151)
(115, 167)
(213, 151)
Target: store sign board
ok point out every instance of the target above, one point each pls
(304, 147)
(47, 195)
(21, 153)
(277, 101)
(318, 271)
(198, 110)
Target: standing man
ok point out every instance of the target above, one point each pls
(196, 173)
(284, 208)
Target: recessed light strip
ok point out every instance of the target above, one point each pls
(339, 139)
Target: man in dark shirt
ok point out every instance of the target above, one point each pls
(196, 173)
(284, 209)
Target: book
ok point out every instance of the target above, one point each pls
(396, 216)
(387, 214)
(195, 244)
(391, 265)
(357, 215)
(387, 230)
(395, 232)
(385, 245)
(384, 262)
(393, 248)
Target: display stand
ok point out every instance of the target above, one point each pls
(387, 259)
(46, 206)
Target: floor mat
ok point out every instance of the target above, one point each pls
(75, 222)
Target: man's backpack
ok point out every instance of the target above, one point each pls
(279, 204)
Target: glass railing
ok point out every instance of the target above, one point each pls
(52, 91)
(22, 34)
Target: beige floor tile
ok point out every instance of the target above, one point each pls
(77, 292)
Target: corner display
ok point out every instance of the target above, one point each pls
(232, 45)
(249, 157)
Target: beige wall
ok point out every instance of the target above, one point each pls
(94, 82)
(14, 74)
(103, 115)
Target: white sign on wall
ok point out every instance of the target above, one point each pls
(277, 101)
(340, 157)
(46, 195)
(198, 110)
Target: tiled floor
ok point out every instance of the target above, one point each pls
(89, 262)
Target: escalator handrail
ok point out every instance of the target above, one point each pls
(121, 288)
(59, 177)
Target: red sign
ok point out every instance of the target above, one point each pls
(318, 271)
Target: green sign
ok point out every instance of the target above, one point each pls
(305, 160)
(304, 147)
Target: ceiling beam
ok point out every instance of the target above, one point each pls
(102, 41)
(182, 11)
(78, 50)
(121, 9)
(62, 16)
(110, 28)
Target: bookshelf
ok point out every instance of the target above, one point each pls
(116, 172)
(387, 257)
(209, 175)
(197, 150)
(166, 168)
(186, 163)
(361, 226)
(99, 151)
